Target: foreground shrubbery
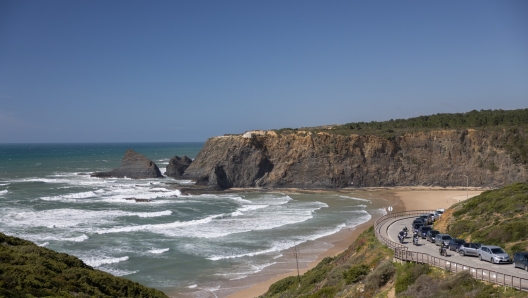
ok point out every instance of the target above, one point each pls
(27, 270)
(498, 217)
(366, 261)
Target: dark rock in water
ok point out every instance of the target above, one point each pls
(133, 165)
(177, 165)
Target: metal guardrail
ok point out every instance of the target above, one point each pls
(402, 252)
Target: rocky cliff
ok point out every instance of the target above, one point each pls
(133, 165)
(324, 160)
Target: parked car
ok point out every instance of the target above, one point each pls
(427, 220)
(422, 232)
(419, 220)
(454, 244)
(432, 216)
(520, 260)
(493, 254)
(416, 226)
(431, 234)
(442, 238)
(438, 213)
(469, 249)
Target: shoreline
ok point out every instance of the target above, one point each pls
(401, 198)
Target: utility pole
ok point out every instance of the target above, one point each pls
(296, 255)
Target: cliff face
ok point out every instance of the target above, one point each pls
(323, 160)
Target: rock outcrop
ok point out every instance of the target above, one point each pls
(177, 165)
(133, 165)
(323, 160)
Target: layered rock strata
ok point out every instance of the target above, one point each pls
(133, 165)
(323, 160)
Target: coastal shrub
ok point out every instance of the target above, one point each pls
(326, 292)
(356, 273)
(27, 270)
(282, 285)
(407, 274)
(380, 275)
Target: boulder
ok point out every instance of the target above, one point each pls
(177, 165)
(133, 165)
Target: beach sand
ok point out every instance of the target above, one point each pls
(401, 198)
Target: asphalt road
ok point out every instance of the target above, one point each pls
(391, 228)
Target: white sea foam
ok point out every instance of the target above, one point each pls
(3, 192)
(192, 286)
(4, 184)
(355, 199)
(152, 214)
(73, 196)
(76, 239)
(44, 244)
(117, 272)
(97, 262)
(158, 251)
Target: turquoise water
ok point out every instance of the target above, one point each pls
(194, 245)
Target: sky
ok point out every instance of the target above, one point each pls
(183, 71)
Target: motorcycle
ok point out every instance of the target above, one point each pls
(404, 234)
(400, 237)
(443, 249)
(415, 239)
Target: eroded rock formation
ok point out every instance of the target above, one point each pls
(323, 160)
(133, 165)
(177, 165)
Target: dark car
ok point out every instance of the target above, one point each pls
(520, 260)
(417, 226)
(419, 220)
(422, 232)
(454, 244)
(469, 249)
(426, 218)
(431, 234)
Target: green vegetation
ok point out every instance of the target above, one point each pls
(511, 129)
(497, 217)
(366, 261)
(27, 270)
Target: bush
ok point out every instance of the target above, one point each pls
(282, 285)
(407, 274)
(380, 276)
(356, 273)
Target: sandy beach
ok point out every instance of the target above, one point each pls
(401, 198)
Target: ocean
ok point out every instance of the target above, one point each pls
(207, 245)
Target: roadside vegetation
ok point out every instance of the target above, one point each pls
(366, 269)
(27, 270)
(495, 217)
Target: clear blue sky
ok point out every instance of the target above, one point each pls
(141, 71)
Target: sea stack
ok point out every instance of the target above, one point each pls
(133, 165)
(177, 165)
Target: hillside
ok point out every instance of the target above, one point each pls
(491, 147)
(366, 269)
(498, 217)
(27, 270)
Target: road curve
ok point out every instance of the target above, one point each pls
(388, 226)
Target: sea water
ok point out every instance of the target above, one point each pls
(193, 245)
